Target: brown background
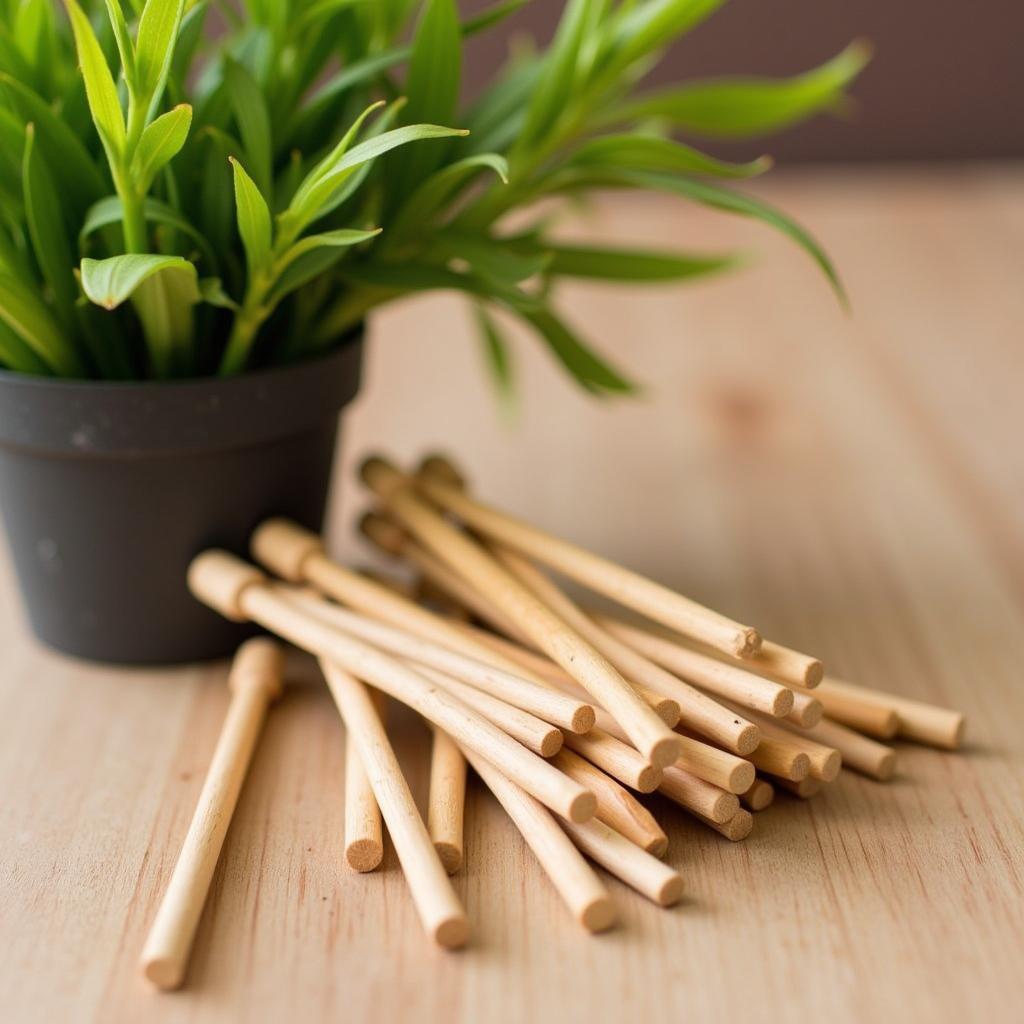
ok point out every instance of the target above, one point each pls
(947, 79)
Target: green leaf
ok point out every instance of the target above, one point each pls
(496, 353)
(433, 196)
(125, 46)
(18, 356)
(554, 87)
(491, 258)
(250, 112)
(312, 256)
(48, 229)
(211, 289)
(254, 223)
(100, 89)
(589, 369)
(334, 239)
(111, 282)
(744, 107)
(650, 153)
(27, 316)
(34, 34)
(160, 143)
(643, 28)
(154, 46)
(633, 265)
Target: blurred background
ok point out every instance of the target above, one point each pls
(946, 82)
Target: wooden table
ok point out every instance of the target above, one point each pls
(854, 486)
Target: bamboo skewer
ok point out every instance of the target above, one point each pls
(577, 884)
(616, 806)
(861, 753)
(254, 681)
(733, 681)
(699, 711)
(438, 907)
(446, 802)
(637, 868)
(617, 759)
(699, 796)
(760, 795)
(650, 735)
(628, 588)
(240, 591)
(298, 556)
(918, 721)
(364, 832)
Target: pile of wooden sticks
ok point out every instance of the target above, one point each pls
(564, 711)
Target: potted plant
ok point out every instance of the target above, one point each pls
(196, 220)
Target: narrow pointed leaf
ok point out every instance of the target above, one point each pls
(632, 265)
(125, 46)
(650, 153)
(497, 354)
(154, 47)
(160, 143)
(254, 223)
(27, 316)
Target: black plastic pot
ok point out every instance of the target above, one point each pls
(108, 490)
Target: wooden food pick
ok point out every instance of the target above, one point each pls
(697, 710)
(298, 556)
(240, 591)
(587, 899)
(254, 681)
(628, 588)
(861, 753)
(760, 795)
(824, 761)
(616, 806)
(438, 907)
(781, 758)
(446, 803)
(638, 869)
(699, 796)
(617, 759)
(364, 832)
(562, 644)
(866, 716)
(807, 710)
(736, 829)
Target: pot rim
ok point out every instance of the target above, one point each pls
(105, 419)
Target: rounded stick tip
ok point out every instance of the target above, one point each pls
(886, 766)
(381, 476)
(283, 547)
(552, 742)
(438, 466)
(739, 826)
(649, 778)
(725, 807)
(741, 777)
(163, 972)
(799, 767)
(258, 663)
(782, 703)
(747, 642)
(665, 751)
(671, 890)
(956, 733)
(747, 739)
(583, 719)
(814, 673)
(450, 855)
(811, 714)
(657, 846)
(582, 807)
(828, 769)
(383, 533)
(452, 932)
(364, 855)
(599, 914)
(668, 710)
(218, 579)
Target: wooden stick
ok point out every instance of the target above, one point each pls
(439, 908)
(760, 795)
(807, 710)
(628, 588)
(698, 711)
(786, 666)
(781, 758)
(534, 734)
(719, 767)
(737, 828)
(618, 759)
(616, 806)
(665, 708)
(364, 832)
(298, 556)
(825, 761)
(859, 752)
(853, 711)
(254, 681)
(742, 687)
(446, 802)
(803, 788)
(638, 869)
(241, 592)
(593, 671)
(585, 896)
(923, 723)
(697, 795)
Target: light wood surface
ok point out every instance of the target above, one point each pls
(852, 486)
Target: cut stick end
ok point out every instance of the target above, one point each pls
(725, 807)
(383, 533)
(551, 743)
(381, 476)
(668, 710)
(813, 712)
(956, 733)
(665, 751)
(739, 826)
(649, 778)
(885, 769)
(599, 914)
(799, 768)
(166, 974)
(584, 718)
(284, 547)
(813, 674)
(782, 704)
(364, 855)
(583, 807)
(746, 643)
(747, 739)
(657, 846)
(828, 769)
(670, 891)
(741, 777)
(452, 932)
(450, 855)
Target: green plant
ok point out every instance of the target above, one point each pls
(243, 197)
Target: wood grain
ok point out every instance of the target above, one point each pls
(852, 486)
